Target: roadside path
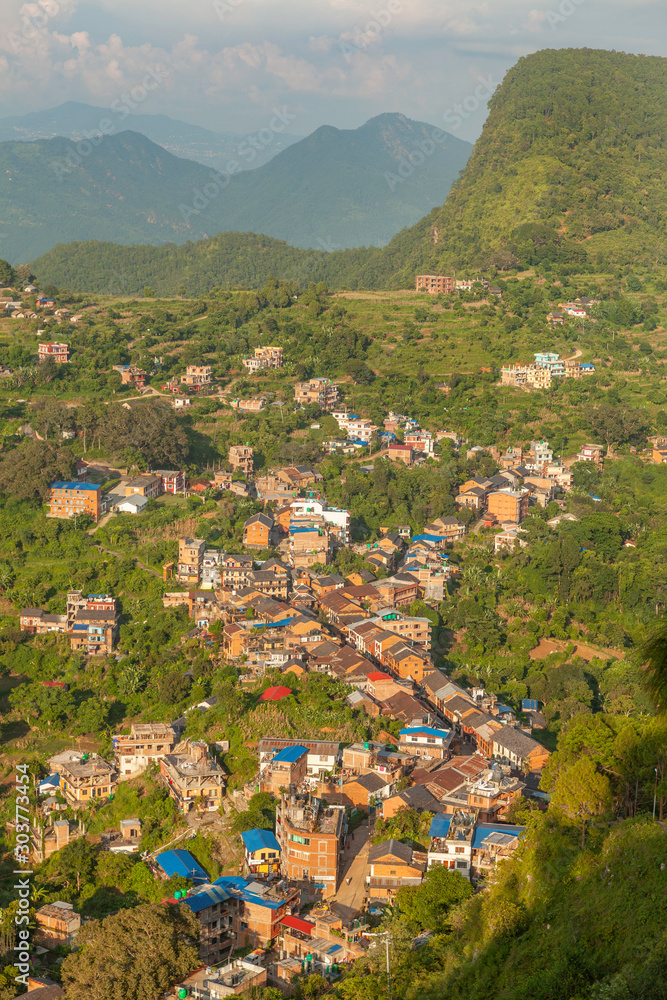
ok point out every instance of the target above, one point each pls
(351, 897)
(120, 555)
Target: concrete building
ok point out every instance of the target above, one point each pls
(434, 284)
(241, 458)
(84, 777)
(320, 392)
(69, 499)
(311, 838)
(146, 743)
(193, 778)
(508, 505)
(190, 560)
(57, 924)
(56, 352)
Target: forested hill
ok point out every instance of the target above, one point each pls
(570, 171)
(571, 167)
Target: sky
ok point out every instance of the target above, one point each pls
(229, 65)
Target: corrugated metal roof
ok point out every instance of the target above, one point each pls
(257, 840)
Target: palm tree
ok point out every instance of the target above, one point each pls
(654, 655)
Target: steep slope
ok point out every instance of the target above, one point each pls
(334, 189)
(571, 167)
(74, 120)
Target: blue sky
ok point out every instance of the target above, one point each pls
(226, 64)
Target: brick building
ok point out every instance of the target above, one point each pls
(56, 352)
(145, 743)
(67, 499)
(311, 839)
(194, 779)
(320, 392)
(190, 560)
(434, 284)
(241, 458)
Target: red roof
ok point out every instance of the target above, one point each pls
(378, 675)
(298, 925)
(275, 694)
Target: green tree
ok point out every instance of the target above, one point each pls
(654, 655)
(426, 905)
(583, 793)
(135, 954)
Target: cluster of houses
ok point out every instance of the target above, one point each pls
(264, 357)
(91, 622)
(579, 309)
(197, 379)
(541, 373)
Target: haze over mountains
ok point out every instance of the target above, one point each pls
(334, 189)
(74, 120)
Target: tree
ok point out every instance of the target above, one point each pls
(135, 954)
(582, 792)
(23, 274)
(27, 471)
(7, 274)
(427, 904)
(654, 655)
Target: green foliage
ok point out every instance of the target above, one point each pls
(427, 905)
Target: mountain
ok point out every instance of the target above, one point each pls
(570, 172)
(73, 120)
(333, 189)
(570, 169)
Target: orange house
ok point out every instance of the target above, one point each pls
(258, 531)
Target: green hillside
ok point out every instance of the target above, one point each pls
(332, 190)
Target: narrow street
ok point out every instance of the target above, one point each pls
(350, 898)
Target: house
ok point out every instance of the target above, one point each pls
(434, 284)
(365, 791)
(241, 459)
(492, 793)
(421, 441)
(46, 840)
(451, 842)
(492, 843)
(193, 778)
(321, 392)
(426, 741)
(264, 357)
(131, 375)
(591, 453)
(508, 538)
(57, 924)
(262, 852)
(54, 351)
(336, 517)
(171, 480)
(392, 866)
(190, 560)
(322, 754)
(255, 910)
(258, 531)
(197, 377)
(287, 767)
(311, 836)
(508, 505)
(84, 777)
(211, 905)
(240, 976)
(416, 797)
(145, 744)
(514, 747)
(71, 499)
(400, 453)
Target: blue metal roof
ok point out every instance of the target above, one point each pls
(482, 831)
(289, 755)
(439, 825)
(241, 887)
(281, 623)
(257, 840)
(206, 897)
(80, 628)
(427, 538)
(181, 862)
(529, 705)
(427, 730)
(74, 485)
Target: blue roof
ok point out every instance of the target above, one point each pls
(529, 704)
(74, 485)
(439, 825)
(182, 863)
(53, 781)
(482, 831)
(427, 730)
(241, 887)
(280, 624)
(208, 896)
(289, 755)
(586, 365)
(427, 538)
(257, 840)
(80, 628)
(503, 709)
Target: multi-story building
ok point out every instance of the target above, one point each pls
(256, 910)
(591, 453)
(258, 531)
(57, 924)
(46, 840)
(426, 741)
(131, 375)
(69, 499)
(193, 778)
(171, 480)
(190, 560)
(149, 486)
(540, 455)
(393, 865)
(145, 743)
(400, 453)
(322, 755)
(434, 284)
(57, 352)
(197, 377)
(241, 458)
(84, 777)
(338, 518)
(311, 838)
(320, 392)
(287, 767)
(264, 357)
(38, 622)
(211, 905)
(508, 505)
(451, 842)
(358, 429)
(309, 542)
(422, 441)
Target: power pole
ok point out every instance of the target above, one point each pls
(385, 935)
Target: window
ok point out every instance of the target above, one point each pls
(430, 739)
(461, 864)
(296, 839)
(459, 850)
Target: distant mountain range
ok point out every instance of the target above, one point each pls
(335, 189)
(73, 120)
